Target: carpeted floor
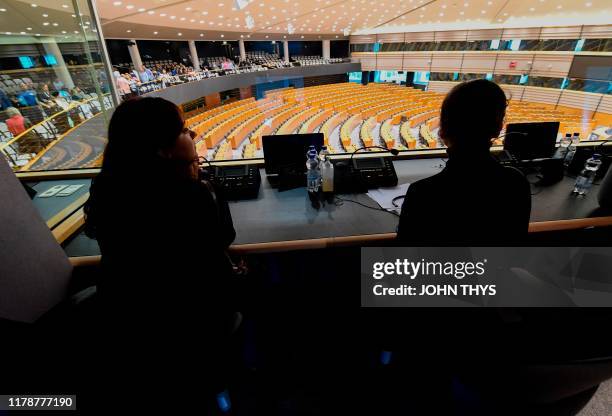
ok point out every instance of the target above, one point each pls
(601, 403)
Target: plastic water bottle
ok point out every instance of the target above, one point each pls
(327, 175)
(584, 181)
(323, 153)
(564, 145)
(310, 150)
(313, 174)
(571, 152)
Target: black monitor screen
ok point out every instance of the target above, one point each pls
(528, 141)
(288, 149)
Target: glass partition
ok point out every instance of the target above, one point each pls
(53, 80)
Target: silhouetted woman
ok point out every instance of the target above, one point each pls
(473, 199)
(166, 285)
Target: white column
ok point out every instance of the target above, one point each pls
(286, 50)
(61, 70)
(195, 61)
(135, 54)
(326, 49)
(242, 50)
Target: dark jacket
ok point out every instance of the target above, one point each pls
(473, 200)
(163, 242)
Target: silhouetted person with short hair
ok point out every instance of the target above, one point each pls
(474, 199)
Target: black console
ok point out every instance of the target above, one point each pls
(237, 181)
(357, 175)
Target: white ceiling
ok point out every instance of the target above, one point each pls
(308, 19)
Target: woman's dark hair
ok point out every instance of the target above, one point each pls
(472, 114)
(139, 130)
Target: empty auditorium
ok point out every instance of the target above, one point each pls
(306, 207)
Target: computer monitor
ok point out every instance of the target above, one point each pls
(528, 141)
(288, 149)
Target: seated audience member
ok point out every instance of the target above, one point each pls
(44, 96)
(474, 198)
(27, 97)
(15, 122)
(123, 85)
(58, 84)
(77, 94)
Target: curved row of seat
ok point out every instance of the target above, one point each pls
(325, 108)
(430, 139)
(407, 137)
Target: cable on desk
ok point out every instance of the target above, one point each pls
(338, 199)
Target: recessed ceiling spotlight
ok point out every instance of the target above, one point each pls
(180, 34)
(129, 7)
(559, 7)
(46, 15)
(222, 36)
(45, 23)
(28, 28)
(64, 6)
(201, 34)
(142, 9)
(128, 31)
(150, 12)
(116, 3)
(155, 33)
(531, 9)
(588, 4)
(34, 5)
(55, 24)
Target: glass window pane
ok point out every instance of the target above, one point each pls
(53, 81)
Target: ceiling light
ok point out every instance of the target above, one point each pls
(46, 15)
(589, 4)
(55, 24)
(117, 3)
(142, 9)
(201, 34)
(64, 6)
(45, 23)
(2, 10)
(128, 31)
(150, 12)
(129, 7)
(34, 5)
(531, 9)
(155, 33)
(187, 8)
(180, 34)
(222, 36)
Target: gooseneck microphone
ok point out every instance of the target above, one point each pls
(394, 152)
